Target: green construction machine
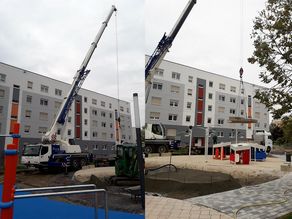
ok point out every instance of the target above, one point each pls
(126, 161)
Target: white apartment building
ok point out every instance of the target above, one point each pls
(33, 100)
(183, 96)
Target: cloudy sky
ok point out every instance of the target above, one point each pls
(52, 37)
(210, 37)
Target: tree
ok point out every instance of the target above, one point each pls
(273, 52)
(287, 128)
(276, 132)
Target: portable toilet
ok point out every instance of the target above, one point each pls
(240, 153)
(258, 152)
(219, 150)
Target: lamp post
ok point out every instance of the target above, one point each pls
(206, 143)
(190, 143)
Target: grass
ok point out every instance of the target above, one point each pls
(181, 151)
(287, 216)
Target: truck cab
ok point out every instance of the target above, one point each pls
(35, 155)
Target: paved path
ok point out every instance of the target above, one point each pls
(229, 202)
(169, 208)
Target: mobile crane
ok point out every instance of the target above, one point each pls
(55, 151)
(155, 138)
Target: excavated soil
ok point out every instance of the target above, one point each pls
(187, 183)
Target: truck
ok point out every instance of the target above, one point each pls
(155, 138)
(55, 150)
(264, 138)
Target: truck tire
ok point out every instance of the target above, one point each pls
(162, 149)
(75, 164)
(268, 150)
(148, 149)
(83, 162)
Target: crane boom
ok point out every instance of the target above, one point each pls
(163, 47)
(79, 78)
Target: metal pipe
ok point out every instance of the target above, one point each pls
(139, 148)
(54, 188)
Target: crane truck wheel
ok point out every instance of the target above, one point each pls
(268, 150)
(162, 149)
(83, 163)
(75, 164)
(148, 149)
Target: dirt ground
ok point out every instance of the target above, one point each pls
(118, 199)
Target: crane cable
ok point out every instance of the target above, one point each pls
(118, 132)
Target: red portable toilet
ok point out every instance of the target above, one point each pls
(240, 153)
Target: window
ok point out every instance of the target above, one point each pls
(222, 97)
(28, 99)
(233, 89)
(69, 132)
(189, 105)
(44, 88)
(85, 110)
(174, 89)
(173, 103)
(221, 109)
(85, 121)
(220, 121)
(110, 115)
(222, 86)
(209, 120)
(102, 103)
(242, 91)
(43, 130)
(157, 86)
(102, 114)
(220, 134)
(241, 112)
(103, 135)
(122, 108)
(85, 99)
(232, 111)
(257, 115)
(210, 96)
(58, 92)
(110, 105)
(128, 110)
(2, 77)
(156, 101)
(191, 79)
(85, 133)
(94, 134)
(57, 104)
(29, 84)
(257, 125)
(111, 125)
(232, 99)
(209, 108)
(94, 101)
(172, 117)
(94, 112)
(188, 118)
(27, 113)
(175, 75)
(43, 116)
(190, 92)
(210, 83)
(2, 93)
(95, 147)
(44, 102)
(154, 115)
(159, 72)
(265, 125)
(1, 110)
(26, 128)
(103, 124)
(242, 101)
(69, 119)
(94, 123)
(231, 134)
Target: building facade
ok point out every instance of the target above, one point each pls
(183, 96)
(34, 100)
